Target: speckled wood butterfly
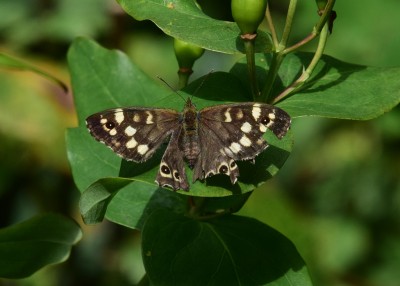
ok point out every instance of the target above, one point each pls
(210, 140)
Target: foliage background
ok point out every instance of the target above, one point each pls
(337, 198)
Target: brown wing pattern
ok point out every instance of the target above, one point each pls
(235, 132)
(133, 133)
(172, 167)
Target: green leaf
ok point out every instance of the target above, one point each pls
(95, 199)
(185, 21)
(12, 63)
(230, 250)
(96, 88)
(336, 89)
(126, 201)
(104, 79)
(28, 246)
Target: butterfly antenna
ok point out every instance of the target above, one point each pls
(201, 84)
(174, 90)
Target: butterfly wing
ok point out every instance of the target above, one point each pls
(133, 133)
(172, 167)
(235, 132)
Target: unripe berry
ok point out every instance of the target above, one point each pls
(248, 14)
(186, 53)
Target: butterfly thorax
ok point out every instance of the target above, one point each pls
(189, 137)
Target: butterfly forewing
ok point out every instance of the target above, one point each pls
(240, 127)
(133, 133)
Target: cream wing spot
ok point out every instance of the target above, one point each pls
(235, 147)
(119, 115)
(136, 117)
(269, 124)
(239, 114)
(131, 143)
(149, 119)
(226, 151)
(263, 128)
(246, 127)
(272, 116)
(130, 131)
(103, 120)
(113, 132)
(142, 149)
(227, 114)
(256, 111)
(245, 141)
(115, 143)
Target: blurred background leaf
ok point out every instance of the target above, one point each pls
(337, 197)
(28, 246)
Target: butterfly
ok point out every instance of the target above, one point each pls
(210, 140)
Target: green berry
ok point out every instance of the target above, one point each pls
(186, 53)
(248, 14)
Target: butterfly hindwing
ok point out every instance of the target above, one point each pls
(213, 159)
(172, 167)
(133, 133)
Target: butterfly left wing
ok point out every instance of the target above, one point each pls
(236, 133)
(133, 133)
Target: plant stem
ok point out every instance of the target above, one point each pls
(276, 61)
(326, 13)
(271, 26)
(281, 51)
(249, 41)
(288, 24)
(184, 74)
(278, 56)
(316, 30)
(296, 85)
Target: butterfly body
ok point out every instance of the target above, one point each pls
(189, 137)
(210, 140)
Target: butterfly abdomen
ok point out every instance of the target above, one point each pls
(189, 137)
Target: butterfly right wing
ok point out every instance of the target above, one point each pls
(133, 133)
(233, 132)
